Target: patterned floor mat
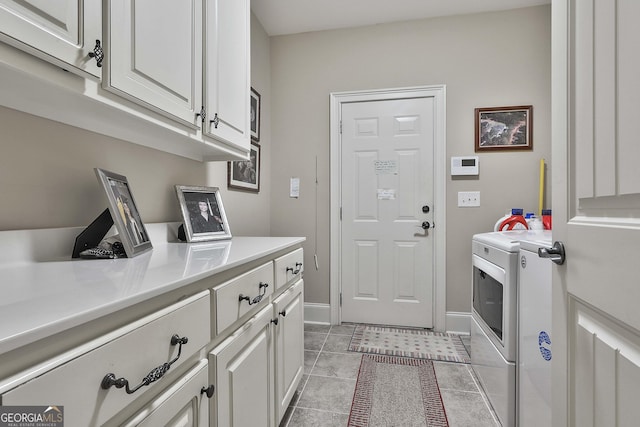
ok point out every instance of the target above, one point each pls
(416, 343)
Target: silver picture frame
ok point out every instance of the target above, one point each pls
(124, 212)
(203, 213)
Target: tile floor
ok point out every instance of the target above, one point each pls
(324, 396)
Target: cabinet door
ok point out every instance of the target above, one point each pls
(289, 345)
(154, 55)
(227, 64)
(63, 32)
(184, 404)
(242, 366)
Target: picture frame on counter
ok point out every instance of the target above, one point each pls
(124, 212)
(255, 107)
(203, 213)
(245, 174)
(504, 128)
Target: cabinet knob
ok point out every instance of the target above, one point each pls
(275, 321)
(283, 313)
(98, 53)
(208, 390)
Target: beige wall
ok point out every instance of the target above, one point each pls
(47, 178)
(485, 60)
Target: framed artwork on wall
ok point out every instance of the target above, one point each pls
(125, 215)
(255, 115)
(203, 213)
(245, 174)
(504, 128)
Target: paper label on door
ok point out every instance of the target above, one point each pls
(386, 167)
(386, 194)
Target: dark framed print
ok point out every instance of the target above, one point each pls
(504, 128)
(255, 115)
(203, 213)
(124, 212)
(245, 174)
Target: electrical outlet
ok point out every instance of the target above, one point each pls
(468, 199)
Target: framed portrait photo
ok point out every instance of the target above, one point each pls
(245, 174)
(504, 128)
(254, 105)
(124, 212)
(203, 213)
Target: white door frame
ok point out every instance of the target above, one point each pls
(439, 203)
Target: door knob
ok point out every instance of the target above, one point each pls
(555, 253)
(425, 225)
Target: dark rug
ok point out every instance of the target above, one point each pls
(416, 343)
(396, 391)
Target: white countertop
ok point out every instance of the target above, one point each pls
(42, 294)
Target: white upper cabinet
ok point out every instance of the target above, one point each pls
(227, 75)
(154, 55)
(175, 75)
(63, 32)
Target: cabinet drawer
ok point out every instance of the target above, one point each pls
(131, 352)
(289, 267)
(227, 302)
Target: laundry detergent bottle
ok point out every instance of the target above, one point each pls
(513, 222)
(546, 219)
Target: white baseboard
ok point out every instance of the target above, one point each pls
(458, 322)
(317, 313)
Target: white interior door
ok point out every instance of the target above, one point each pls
(596, 206)
(387, 196)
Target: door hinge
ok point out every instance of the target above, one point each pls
(340, 299)
(340, 213)
(340, 127)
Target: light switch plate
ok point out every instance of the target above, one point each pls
(468, 199)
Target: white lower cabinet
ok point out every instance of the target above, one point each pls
(228, 355)
(289, 345)
(257, 369)
(242, 368)
(184, 404)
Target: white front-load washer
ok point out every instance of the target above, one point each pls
(494, 316)
(534, 335)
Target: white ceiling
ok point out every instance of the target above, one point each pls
(280, 17)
